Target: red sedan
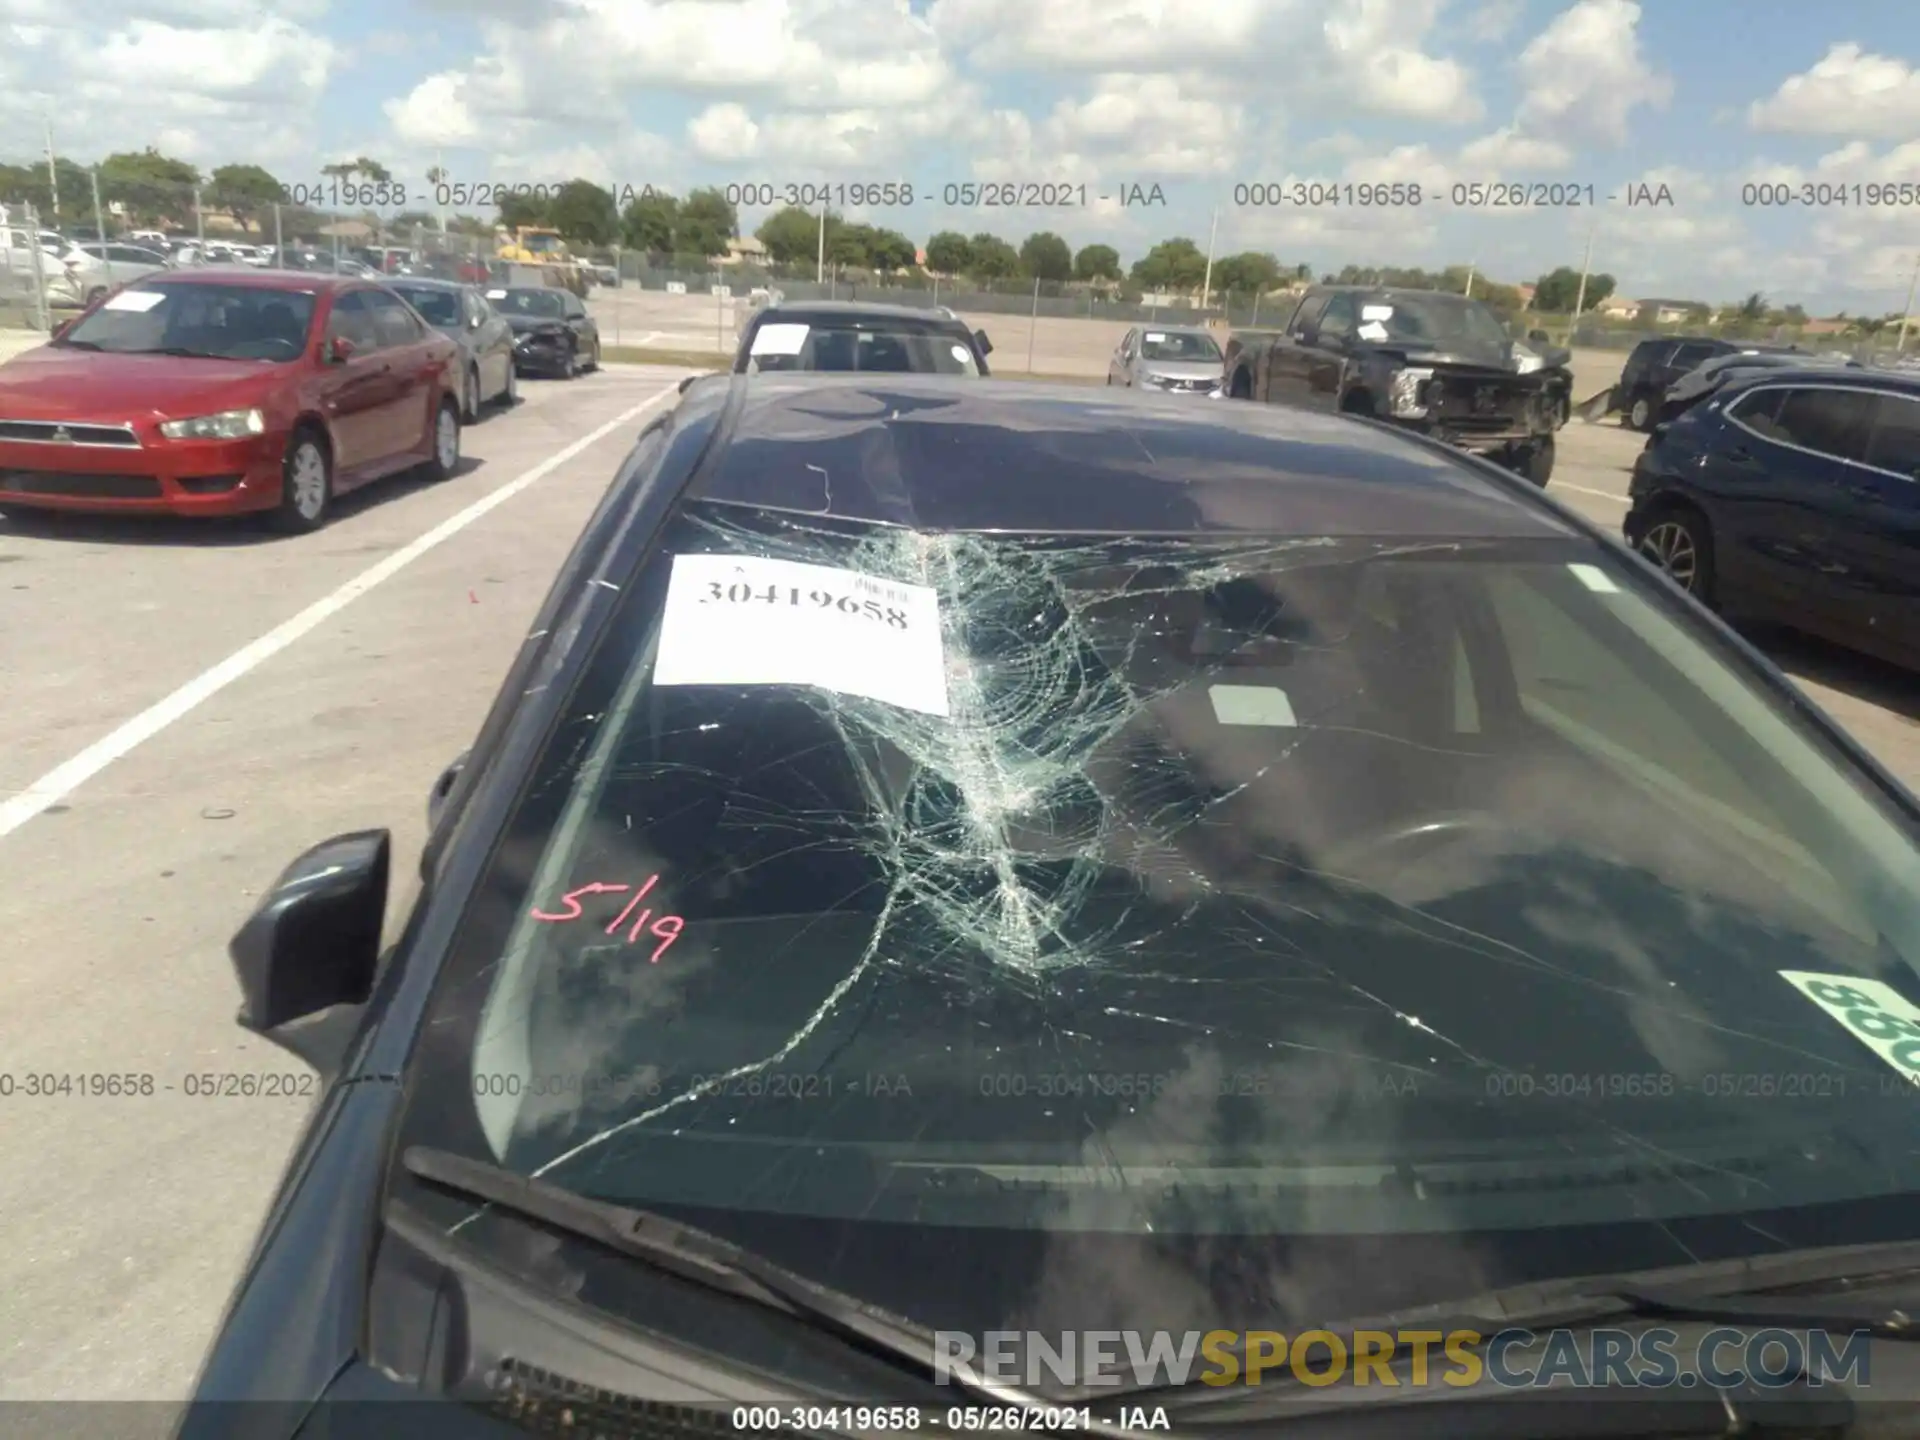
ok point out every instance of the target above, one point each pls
(224, 392)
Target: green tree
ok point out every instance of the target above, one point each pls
(991, 258)
(850, 245)
(1754, 307)
(414, 220)
(891, 251)
(584, 213)
(1555, 292)
(1097, 262)
(1250, 272)
(1504, 300)
(469, 225)
(1176, 264)
(648, 222)
(707, 224)
(245, 192)
(359, 168)
(791, 235)
(519, 208)
(948, 253)
(154, 188)
(1045, 256)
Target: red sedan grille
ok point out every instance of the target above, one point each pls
(96, 487)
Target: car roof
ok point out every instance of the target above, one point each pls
(248, 278)
(1176, 329)
(792, 310)
(428, 282)
(1835, 374)
(936, 453)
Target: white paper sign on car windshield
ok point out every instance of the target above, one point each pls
(1373, 330)
(138, 301)
(1156, 336)
(1376, 312)
(496, 294)
(962, 354)
(778, 340)
(749, 620)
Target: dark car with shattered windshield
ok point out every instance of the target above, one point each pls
(1437, 363)
(968, 858)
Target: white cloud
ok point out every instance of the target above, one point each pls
(1849, 92)
(1494, 20)
(1584, 75)
(434, 112)
(1506, 150)
(211, 79)
(1366, 54)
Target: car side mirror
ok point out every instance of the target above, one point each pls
(980, 339)
(313, 942)
(442, 788)
(686, 382)
(340, 350)
(1538, 337)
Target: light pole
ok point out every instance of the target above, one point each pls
(1586, 264)
(53, 175)
(1206, 285)
(1906, 317)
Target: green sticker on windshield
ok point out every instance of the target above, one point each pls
(1879, 1017)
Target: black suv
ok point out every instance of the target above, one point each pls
(1424, 360)
(849, 336)
(1655, 365)
(1793, 497)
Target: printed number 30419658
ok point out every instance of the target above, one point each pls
(792, 596)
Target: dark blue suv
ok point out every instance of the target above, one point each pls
(1794, 497)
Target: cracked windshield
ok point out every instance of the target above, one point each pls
(846, 716)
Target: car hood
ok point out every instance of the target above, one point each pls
(56, 383)
(1182, 369)
(1480, 357)
(528, 324)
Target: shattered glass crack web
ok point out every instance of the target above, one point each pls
(1162, 830)
(995, 822)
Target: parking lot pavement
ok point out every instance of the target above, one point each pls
(127, 1219)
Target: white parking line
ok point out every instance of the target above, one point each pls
(1584, 490)
(61, 781)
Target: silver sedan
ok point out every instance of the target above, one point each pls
(1178, 359)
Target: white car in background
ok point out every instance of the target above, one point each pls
(96, 268)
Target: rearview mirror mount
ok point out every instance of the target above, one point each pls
(307, 956)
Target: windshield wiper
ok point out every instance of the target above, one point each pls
(79, 344)
(703, 1258)
(1762, 1292)
(183, 352)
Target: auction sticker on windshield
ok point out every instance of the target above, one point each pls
(138, 301)
(960, 353)
(1376, 312)
(1880, 1017)
(778, 340)
(749, 620)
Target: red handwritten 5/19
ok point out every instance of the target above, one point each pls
(666, 929)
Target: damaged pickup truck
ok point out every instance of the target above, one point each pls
(1438, 363)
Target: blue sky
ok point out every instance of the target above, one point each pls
(1703, 96)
